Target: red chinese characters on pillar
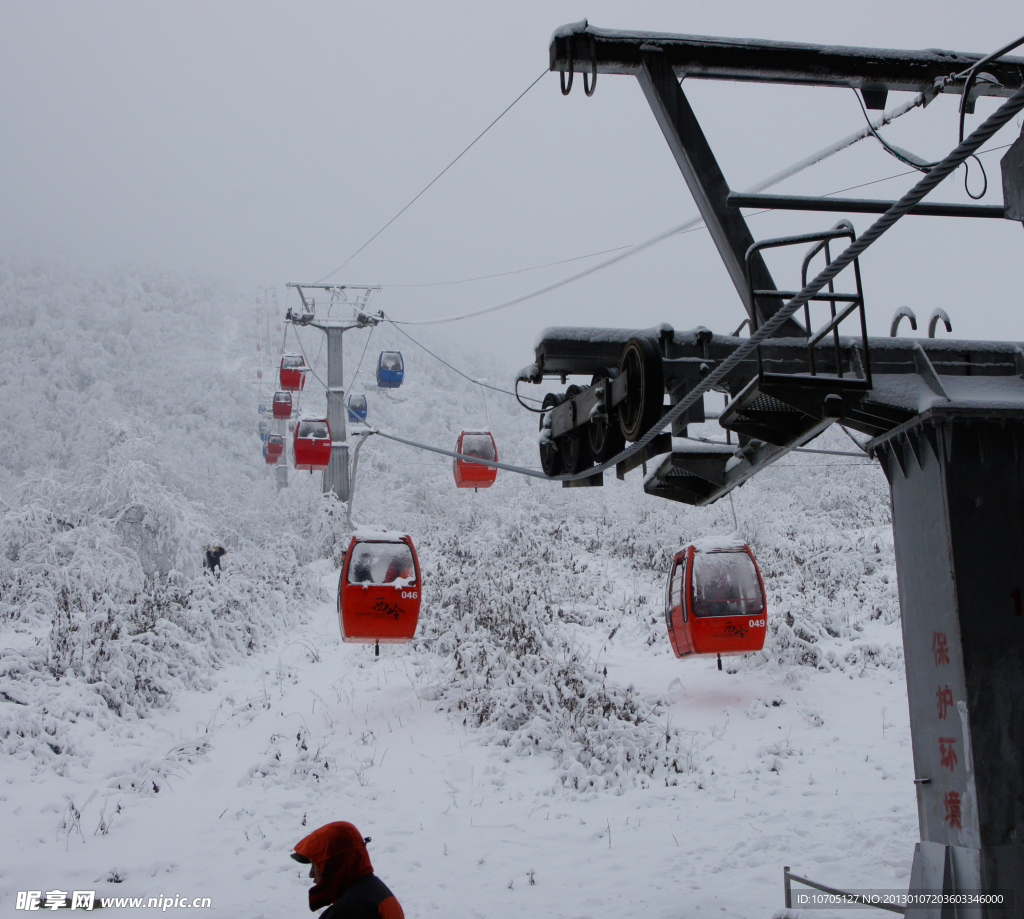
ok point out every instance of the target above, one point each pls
(952, 802)
(940, 647)
(947, 752)
(944, 695)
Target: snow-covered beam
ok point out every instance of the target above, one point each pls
(583, 48)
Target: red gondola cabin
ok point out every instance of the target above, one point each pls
(282, 405)
(379, 591)
(715, 602)
(273, 449)
(312, 445)
(293, 372)
(474, 475)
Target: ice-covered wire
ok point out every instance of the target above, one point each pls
(433, 180)
(466, 376)
(984, 179)
(689, 226)
(312, 372)
(905, 157)
(519, 399)
(970, 146)
(520, 470)
(724, 443)
(846, 431)
(539, 474)
(909, 172)
(971, 75)
(505, 274)
(895, 113)
(355, 375)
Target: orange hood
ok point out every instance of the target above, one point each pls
(340, 855)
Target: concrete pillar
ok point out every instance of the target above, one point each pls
(957, 485)
(335, 477)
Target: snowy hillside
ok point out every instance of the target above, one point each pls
(537, 748)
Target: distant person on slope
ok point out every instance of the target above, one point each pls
(340, 866)
(213, 557)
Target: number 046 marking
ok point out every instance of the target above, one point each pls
(409, 594)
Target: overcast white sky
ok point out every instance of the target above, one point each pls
(265, 142)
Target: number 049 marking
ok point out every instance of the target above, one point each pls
(756, 624)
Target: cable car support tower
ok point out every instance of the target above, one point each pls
(336, 475)
(944, 418)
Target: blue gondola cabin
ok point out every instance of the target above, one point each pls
(357, 408)
(390, 369)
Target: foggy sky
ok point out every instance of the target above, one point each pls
(265, 142)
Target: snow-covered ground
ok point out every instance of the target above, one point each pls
(536, 749)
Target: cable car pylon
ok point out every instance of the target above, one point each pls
(336, 475)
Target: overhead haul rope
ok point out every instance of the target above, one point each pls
(968, 148)
(507, 392)
(505, 274)
(539, 474)
(580, 258)
(355, 375)
(433, 180)
(312, 371)
(689, 225)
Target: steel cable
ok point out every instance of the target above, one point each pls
(507, 392)
(946, 166)
(433, 180)
(690, 225)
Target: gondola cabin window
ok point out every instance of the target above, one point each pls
(315, 429)
(726, 584)
(382, 563)
(676, 586)
(480, 446)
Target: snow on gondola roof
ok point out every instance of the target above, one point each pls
(718, 543)
(373, 534)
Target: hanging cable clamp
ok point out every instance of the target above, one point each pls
(928, 96)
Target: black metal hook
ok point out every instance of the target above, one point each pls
(589, 90)
(903, 311)
(566, 87)
(938, 315)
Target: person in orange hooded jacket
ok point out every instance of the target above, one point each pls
(344, 878)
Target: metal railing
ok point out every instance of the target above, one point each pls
(788, 877)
